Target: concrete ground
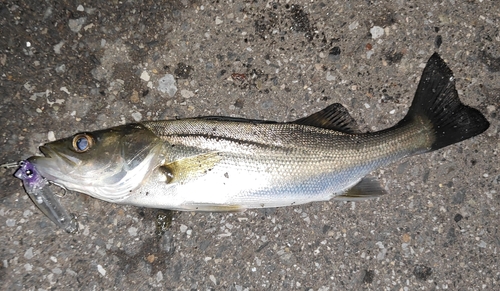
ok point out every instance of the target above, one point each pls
(69, 66)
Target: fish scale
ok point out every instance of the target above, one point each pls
(297, 173)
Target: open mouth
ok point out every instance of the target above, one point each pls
(45, 151)
(56, 156)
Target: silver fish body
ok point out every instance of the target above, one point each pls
(250, 165)
(227, 164)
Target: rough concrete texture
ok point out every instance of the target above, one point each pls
(69, 66)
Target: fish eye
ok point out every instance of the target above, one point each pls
(82, 142)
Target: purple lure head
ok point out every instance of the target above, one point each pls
(28, 174)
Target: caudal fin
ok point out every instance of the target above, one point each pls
(436, 101)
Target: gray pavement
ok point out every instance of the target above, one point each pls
(69, 66)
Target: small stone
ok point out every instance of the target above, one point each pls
(353, 25)
(57, 47)
(406, 238)
(422, 272)
(167, 85)
(369, 54)
(334, 53)
(218, 20)
(159, 276)
(87, 27)
(183, 228)
(101, 270)
(11, 222)
(212, 278)
(132, 231)
(377, 32)
(80, 8)
(183, 71)
(137, 116)
(29, 87)
(186, 93)
(76, 24)
(151, 258)
(28, 254)
(145, 76)
(330, 77)
(134, 98)
(61, 69)
(51, 136)
(65, 90)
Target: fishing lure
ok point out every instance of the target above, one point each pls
(39, 191)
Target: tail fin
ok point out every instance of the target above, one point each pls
(437, 101)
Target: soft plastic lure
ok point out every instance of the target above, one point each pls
(38, 190)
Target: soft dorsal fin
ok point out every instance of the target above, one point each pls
(335, 117)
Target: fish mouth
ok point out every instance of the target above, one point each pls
(53, 157)
(47, 154)
(46, 151)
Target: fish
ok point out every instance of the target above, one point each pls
(231, 164)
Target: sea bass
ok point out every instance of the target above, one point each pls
(232, 164)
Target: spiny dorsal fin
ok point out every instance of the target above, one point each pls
(335, 117)
(367, 188)
(236, 119)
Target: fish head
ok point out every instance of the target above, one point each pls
(106, 164)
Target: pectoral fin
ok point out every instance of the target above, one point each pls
(188, 168)
(367, 188)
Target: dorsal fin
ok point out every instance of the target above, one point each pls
(335, 117)
(236, 119)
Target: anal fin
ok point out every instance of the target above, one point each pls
(367, 188)
(213, 207)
